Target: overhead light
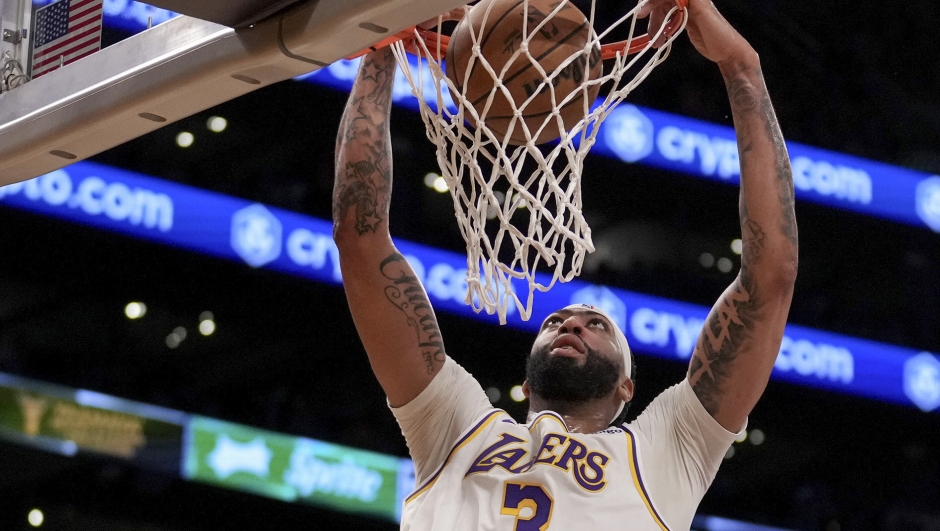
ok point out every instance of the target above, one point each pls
(707, 260)
(492, 210)
(207, 327)
(736, 246)
(757, 437)
(135, 310)
(730, 453)
(173, 340)
(724, 265)
(436, 182)
(185, 139)
(176, 337)
(516, 393)
(35, 518)
(217, 124)
(741, 438)
(493, 394)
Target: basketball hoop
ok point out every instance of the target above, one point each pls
(519, 206)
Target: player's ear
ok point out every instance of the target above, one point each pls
(625, 389)
(525, 388)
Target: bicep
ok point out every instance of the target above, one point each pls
(393, 316)
(737, 348)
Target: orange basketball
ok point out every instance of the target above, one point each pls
(499, 34)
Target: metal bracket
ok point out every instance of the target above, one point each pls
(14, 36)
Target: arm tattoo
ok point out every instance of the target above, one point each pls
(364, 160)
(406, 293)
(783, 172)
(785, 183)
(743, 96)
(723, 336)
(363, 187)
(746, 98)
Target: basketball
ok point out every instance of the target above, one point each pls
(498, 28)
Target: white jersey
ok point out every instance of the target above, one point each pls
(477, 469)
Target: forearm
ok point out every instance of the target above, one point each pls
(363, 182)
(768, 223)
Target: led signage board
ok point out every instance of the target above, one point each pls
(67, 421)
(224, 454)
(636, 134)
(271, 238)
(296, 469)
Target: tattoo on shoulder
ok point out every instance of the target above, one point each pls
(406, 293)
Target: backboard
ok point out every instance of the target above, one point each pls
(181, 67)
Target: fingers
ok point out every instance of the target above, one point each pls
(648, 6)
(661, 24)
(456, 14)
(657, 11)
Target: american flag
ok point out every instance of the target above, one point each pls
(65, 31)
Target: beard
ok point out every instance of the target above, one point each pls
(560, 378)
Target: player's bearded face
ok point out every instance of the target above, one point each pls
(560, 378)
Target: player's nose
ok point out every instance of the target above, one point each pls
(571, 325)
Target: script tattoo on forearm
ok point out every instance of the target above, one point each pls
(407, 294)
(364, 168)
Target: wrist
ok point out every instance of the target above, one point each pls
(745, 60)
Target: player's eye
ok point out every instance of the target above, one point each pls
(552, 321)
(599, 324)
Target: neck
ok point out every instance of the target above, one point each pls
(585, 417)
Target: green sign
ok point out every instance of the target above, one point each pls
(296, 469)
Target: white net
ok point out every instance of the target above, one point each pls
(519, 206)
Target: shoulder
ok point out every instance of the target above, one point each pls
(663, 408)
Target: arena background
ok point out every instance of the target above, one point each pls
(853, 78)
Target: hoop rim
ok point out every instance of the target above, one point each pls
(556, 235)
(437, 43)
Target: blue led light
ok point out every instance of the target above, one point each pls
(271, 238)
(701, 149)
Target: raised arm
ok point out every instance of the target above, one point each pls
(736, 351)
(388, 303)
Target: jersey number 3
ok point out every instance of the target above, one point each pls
(530, 504)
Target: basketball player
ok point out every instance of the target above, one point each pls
(574, 464)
